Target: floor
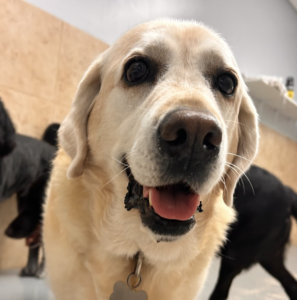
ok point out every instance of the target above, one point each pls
(13, 287)
(255, 284)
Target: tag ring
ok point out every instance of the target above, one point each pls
(132, 287)
(136, 272)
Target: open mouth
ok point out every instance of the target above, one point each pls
(173, 202)
(166, 210)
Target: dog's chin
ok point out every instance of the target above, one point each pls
(168, 210)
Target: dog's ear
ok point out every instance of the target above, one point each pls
(248, 136)
(73, 130)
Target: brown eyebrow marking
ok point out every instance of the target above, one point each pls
(213, 63)
(228, 69)
(157, 51)
(136, 54)
(156, 54)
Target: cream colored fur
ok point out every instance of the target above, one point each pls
(90, 239)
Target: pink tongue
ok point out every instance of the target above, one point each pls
(171, 203)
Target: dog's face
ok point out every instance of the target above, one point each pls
(168, 102)
(7, 132)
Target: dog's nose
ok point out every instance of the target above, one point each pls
(189, 133)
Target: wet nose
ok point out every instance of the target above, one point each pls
(189, 133)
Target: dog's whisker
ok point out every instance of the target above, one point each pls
(231, 166)
(251, 161)
(243, 173)
(229, 153)
(236, 122)
(130, 153)
(120, 162)
(225, 173)
(234, 170)
(113, 178)
(224, 183)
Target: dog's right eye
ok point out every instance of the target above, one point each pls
(136, 72)
(227, 83)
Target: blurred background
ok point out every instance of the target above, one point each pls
(46, 45)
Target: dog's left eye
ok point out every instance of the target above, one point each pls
(137, 71)
(227, 84)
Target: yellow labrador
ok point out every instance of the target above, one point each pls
(164, 109)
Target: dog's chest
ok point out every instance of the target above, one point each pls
(122, 292)
(111, 281)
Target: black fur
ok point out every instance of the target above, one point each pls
(51, 134)
(7, 133)
(25, 165)
(261, 233)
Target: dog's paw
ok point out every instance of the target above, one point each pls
(29, 271)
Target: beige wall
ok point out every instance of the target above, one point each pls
(278, 154)
(42, 61)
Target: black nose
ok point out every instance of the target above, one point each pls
(189, 134)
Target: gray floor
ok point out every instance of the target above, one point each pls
(255, 284)
(13, 287)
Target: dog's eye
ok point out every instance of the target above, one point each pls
(226, 84)
(137, 71)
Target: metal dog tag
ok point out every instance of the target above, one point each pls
(122, 292)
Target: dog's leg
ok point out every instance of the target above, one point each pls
(41, 269)
(32, 265)
(33, 242)
(275, 266)
(229, 269)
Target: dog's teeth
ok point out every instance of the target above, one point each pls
(150, 198)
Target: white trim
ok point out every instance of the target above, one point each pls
(275, 110)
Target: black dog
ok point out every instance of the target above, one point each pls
(25, 165)
(261, 233)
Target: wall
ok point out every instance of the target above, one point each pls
(262, 33)
(277, 154)
(42, 61)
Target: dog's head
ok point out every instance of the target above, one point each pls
(7, 132)
(167, 101)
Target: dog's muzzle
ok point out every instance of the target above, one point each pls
(187, 147)
(189, 144)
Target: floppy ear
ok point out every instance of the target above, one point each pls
(248, 136)
(73, 130)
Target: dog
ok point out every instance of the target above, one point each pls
(25, 165)
(164, 113)
(261, 232)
